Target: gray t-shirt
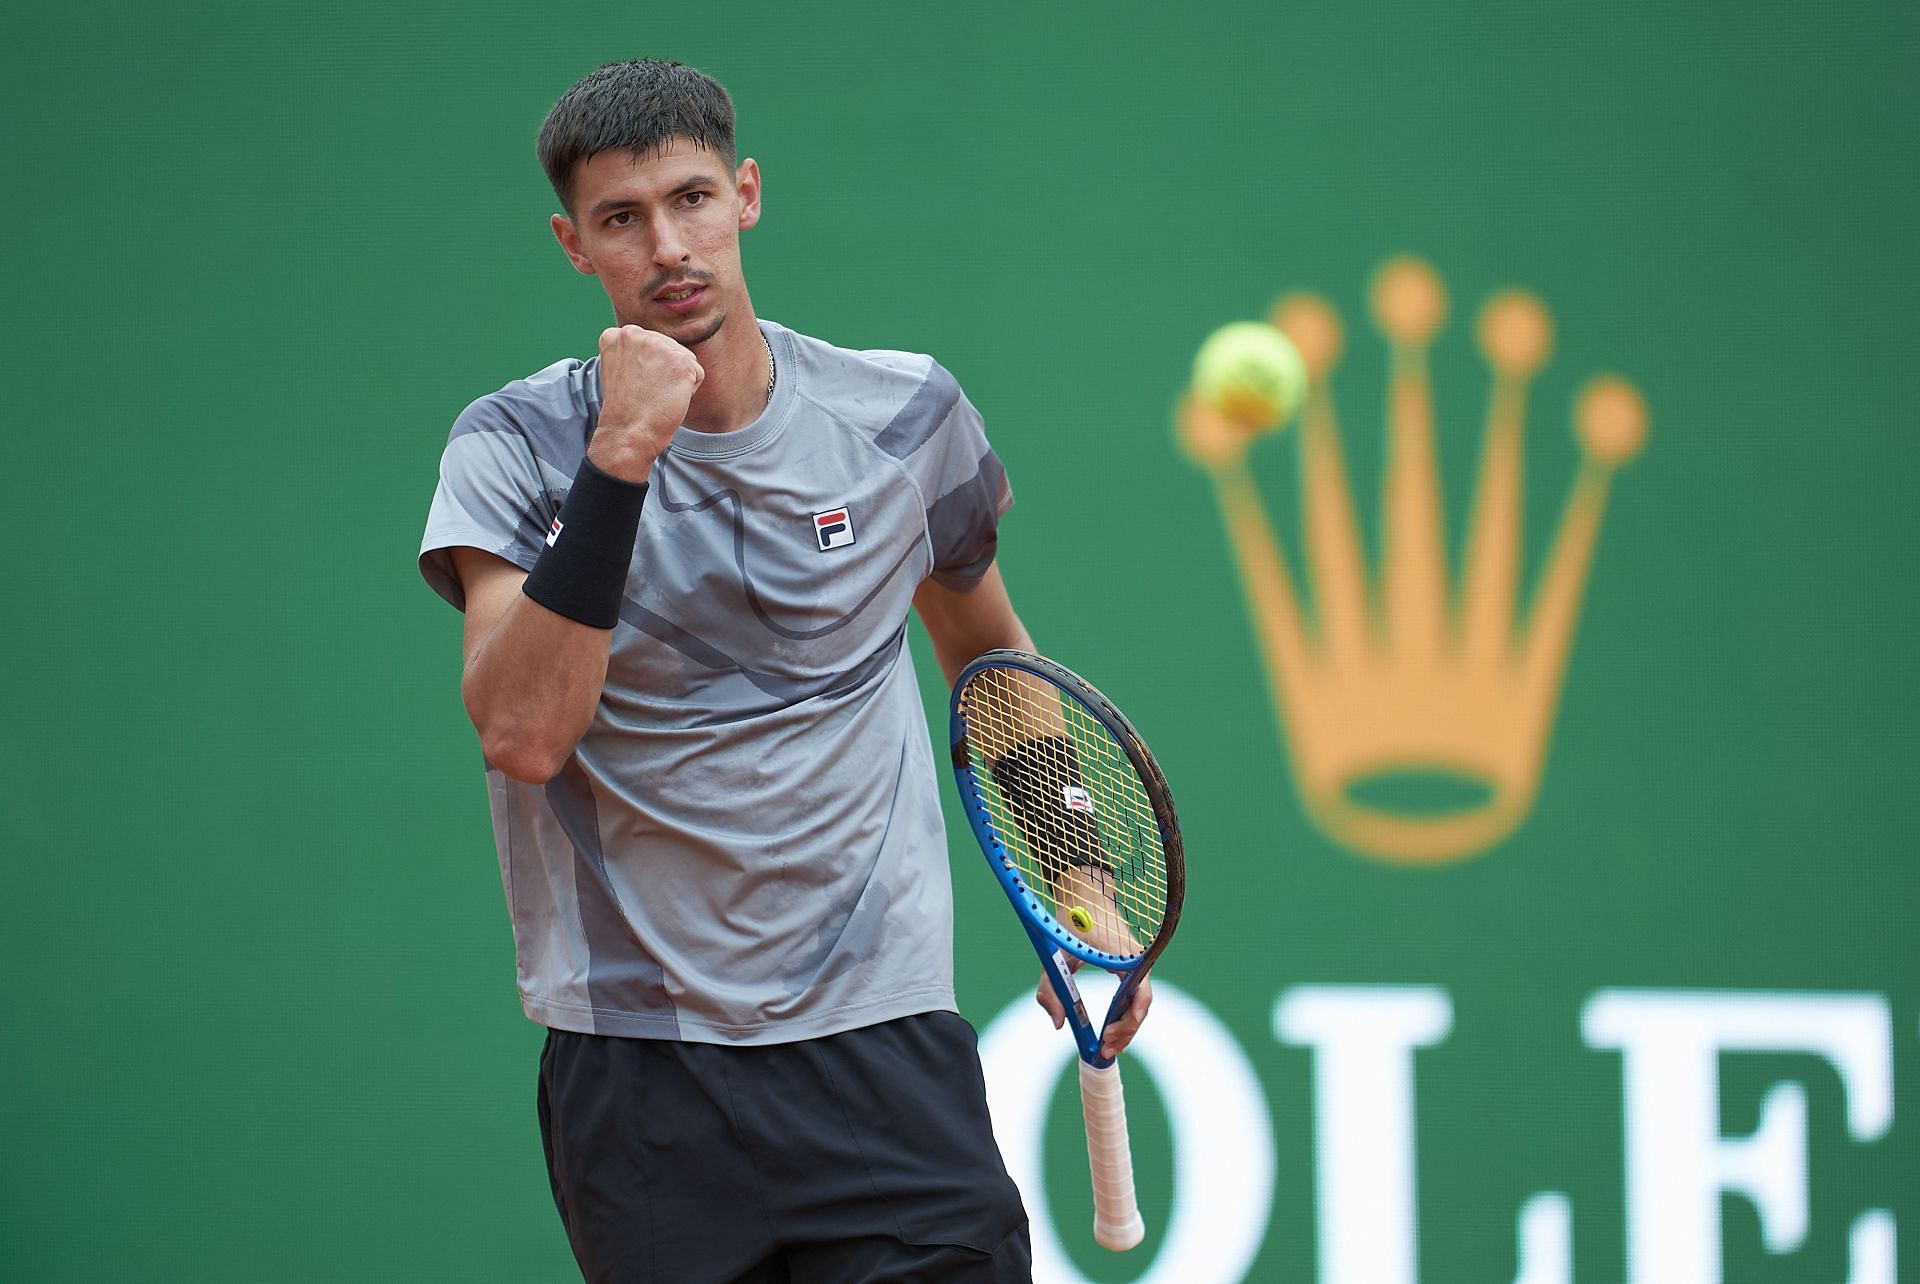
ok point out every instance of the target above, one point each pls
(746, 846)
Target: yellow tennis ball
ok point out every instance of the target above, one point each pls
(1081, 920)
(1251, 373)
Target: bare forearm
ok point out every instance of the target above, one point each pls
(532, 687)
(532, 678)
(963, 624)
(956, 655)
(534, 670)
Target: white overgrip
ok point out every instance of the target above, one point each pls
(1116, 1214)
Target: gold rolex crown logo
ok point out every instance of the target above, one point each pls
(1416, 674)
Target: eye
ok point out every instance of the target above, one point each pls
(695, 200)
(621, 219)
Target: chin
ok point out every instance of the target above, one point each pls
(704, 330)
(691, 332)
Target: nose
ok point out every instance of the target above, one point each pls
(669, 250)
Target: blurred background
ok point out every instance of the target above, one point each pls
(1664, 1027)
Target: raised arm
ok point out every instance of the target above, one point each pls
(536, 645)
(531, 678)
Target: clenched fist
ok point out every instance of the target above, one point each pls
(646, 383)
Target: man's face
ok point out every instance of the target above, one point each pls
(663, 235)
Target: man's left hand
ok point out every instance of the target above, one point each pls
(1121, 1032)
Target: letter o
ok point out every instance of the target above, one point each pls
(1222, 1135)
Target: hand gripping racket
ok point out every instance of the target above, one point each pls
(1077, 824)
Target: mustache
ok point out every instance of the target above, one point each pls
(660, 282)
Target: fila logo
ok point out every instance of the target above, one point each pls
(554, 534)
(1076, 798)
(833, 528)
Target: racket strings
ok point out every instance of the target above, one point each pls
(1080, 827)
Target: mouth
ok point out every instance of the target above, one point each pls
(681, 296)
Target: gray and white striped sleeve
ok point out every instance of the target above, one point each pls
(491, 496)
(963, 484)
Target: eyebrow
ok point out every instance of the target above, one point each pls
(613, 203)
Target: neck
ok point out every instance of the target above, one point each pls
(735, 390)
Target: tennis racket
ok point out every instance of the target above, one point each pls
(1076, 822)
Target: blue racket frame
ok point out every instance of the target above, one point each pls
(1053, 942)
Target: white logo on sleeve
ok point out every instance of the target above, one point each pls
(554, 534)
(1076, 798)
(833, 528)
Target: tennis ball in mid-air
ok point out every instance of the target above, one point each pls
(1251, 373)
(1081, 920)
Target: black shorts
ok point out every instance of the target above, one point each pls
(862, 1156)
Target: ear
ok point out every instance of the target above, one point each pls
(569, 238)
(746, 180)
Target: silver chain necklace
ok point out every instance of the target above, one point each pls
(773, 371)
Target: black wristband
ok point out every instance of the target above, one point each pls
(583, 572)
(1041, 780)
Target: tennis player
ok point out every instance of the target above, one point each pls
(686, 567)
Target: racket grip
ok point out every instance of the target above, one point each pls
(1116, 1214)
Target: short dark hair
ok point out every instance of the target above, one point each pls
(638, 106)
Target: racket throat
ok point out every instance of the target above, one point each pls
(1070, 986)
(1058, 966)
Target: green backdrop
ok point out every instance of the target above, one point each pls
(262, 1023)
